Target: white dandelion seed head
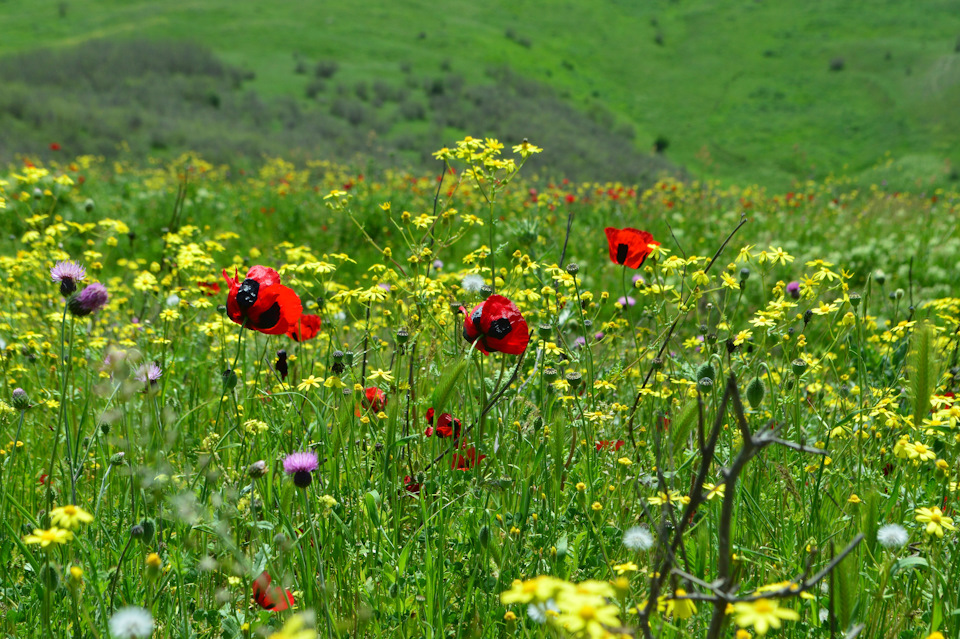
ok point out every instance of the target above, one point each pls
(132, 622)
(893, 536)
(471, 283)
(638, 538)
(172, 300)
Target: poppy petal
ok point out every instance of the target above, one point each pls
(306, 328)
(629, 247)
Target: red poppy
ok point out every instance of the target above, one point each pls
(374, 400)
(307, 328)
(262, 302)
(447, 425)
(210, 288)
(411, 485)
(604, 444)
(629, 247)
(54, 146)
(273, 598)
(467, 460)
(495, 324)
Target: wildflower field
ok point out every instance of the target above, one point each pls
(304, 401)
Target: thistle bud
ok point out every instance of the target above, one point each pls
(573, 268)
(880, 277)
(257, 469)
(744, 275)
(807, 316)
(222, 310)
(574, 378)
(338, 356)
(403, 336)
(855, 299)
(550, 374)
(229, 377)
(89, 205)
(545, 331)
(348, 358)
(20, 399)
(136, 531)
(118, 459)
(704, 384)
(898, 294)
(656, 364)
(486, 291)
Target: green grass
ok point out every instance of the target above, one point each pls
(742, 92)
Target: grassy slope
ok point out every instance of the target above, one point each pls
(742, 92)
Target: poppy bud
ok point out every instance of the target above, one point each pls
(545, 331)
(573, 268)
(706, 370)
(486, 291)
(257, 469)
(799, 366)
(148, 530)
(705, 384)
(755, 392)
(88, 206)
(20, 400)
(484, 536)
(855, 299)
(49, 577)
(281, 364)
(550, 374)
(348, 358)
(229, 377)
(574, 378)
(403, 336)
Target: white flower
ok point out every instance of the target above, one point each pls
(893, 536)
(538, 611)
(638, 538)
(132, 622)
(472, 283)
(173, 300)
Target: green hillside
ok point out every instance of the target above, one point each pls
(756, 92)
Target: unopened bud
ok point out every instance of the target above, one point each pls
(257, 469)
(20, 399)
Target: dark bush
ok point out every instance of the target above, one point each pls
(326, 69)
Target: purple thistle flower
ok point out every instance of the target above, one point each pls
(638, 278)
(68, 274)
(89, 300)
(20, 399)
(598, 336)
(385, 286)
(437, 264)
(626, 301)
(793, 289)
(580, 341)
(148, 373)
(300, 465)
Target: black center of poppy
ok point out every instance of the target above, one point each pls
(270, 317)
(622, 253)
(247, 295)
(302, 478)
(499, 328)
